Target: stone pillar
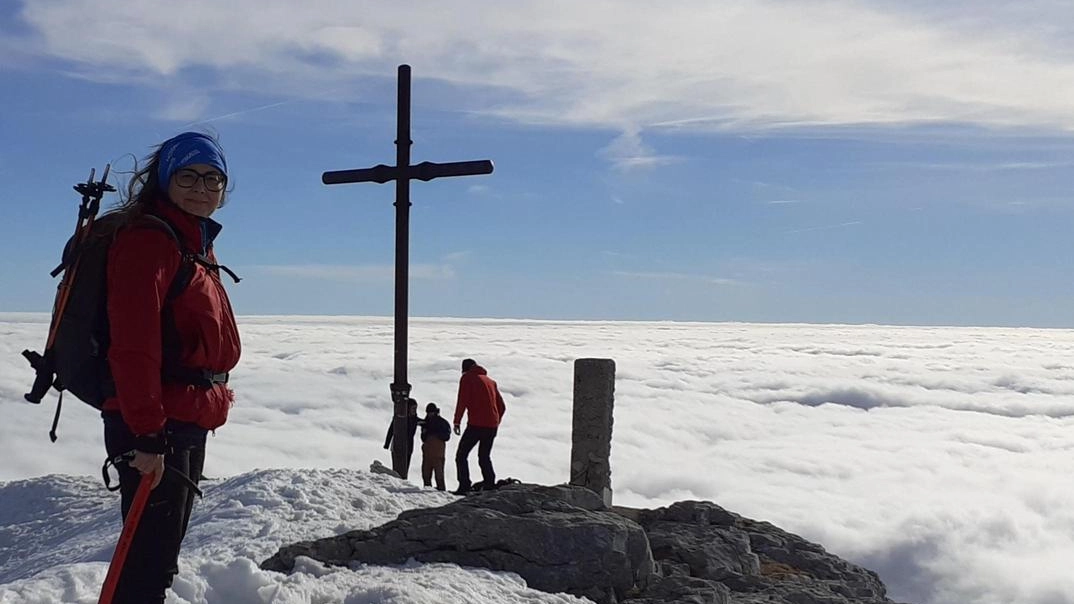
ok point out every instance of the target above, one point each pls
(591, 435)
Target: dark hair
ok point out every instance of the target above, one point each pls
(144, 188)
(467, 364)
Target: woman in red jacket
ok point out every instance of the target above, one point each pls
(173, 342)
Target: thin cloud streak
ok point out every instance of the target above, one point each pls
(977, 167)
(458, 256)
(677, 277)
(357, 273)
(824, 228)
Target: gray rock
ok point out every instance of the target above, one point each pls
(378, 468)
(757, 561)
(683, 589)
(559, 539)
(702, 536)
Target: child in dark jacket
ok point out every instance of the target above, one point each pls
(435, 432)
(412, 422)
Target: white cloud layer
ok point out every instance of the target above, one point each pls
(937, 456)
(623, 64)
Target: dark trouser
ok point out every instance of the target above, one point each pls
(153, 558)
(483, 437)
(432, 462)
(409, 458)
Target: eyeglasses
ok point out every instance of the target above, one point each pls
(214, 181)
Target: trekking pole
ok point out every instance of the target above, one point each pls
(134, 515)
(44, 364)
(92, 192)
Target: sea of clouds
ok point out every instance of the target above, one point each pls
(936, 456)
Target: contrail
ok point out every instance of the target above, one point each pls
(824, 228)
(235, 113)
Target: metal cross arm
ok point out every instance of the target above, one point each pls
(424, 171)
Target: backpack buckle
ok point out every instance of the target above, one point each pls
(207, 379)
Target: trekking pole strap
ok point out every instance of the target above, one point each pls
(104, 472)
(56, 418)
(169, 471)
(176, 474)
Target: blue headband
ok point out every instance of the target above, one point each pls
(187, 149)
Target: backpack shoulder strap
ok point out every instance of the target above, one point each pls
(186, 264)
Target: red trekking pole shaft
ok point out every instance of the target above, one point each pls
(130, 525)
(91, 199)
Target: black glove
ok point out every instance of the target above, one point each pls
(151, 443)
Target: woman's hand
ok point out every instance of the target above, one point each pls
(149, 463)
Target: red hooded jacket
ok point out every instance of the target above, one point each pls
(479, 396)
(141, 265)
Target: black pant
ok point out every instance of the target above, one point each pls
(473, 435)
(153, 558)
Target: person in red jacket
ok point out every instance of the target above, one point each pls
(170, 353)
(480, 399)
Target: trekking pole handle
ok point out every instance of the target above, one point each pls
(43, 379)
(92, 192)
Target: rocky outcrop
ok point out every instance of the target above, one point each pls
(756, 561)
(564, 539)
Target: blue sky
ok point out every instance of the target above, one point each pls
(850, 162)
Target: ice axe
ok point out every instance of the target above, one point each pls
(130, 525)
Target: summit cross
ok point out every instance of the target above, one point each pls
(402, 173)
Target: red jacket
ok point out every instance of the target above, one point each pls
(479, 396)
(141, 265)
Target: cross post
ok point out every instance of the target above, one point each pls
(402, 173)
